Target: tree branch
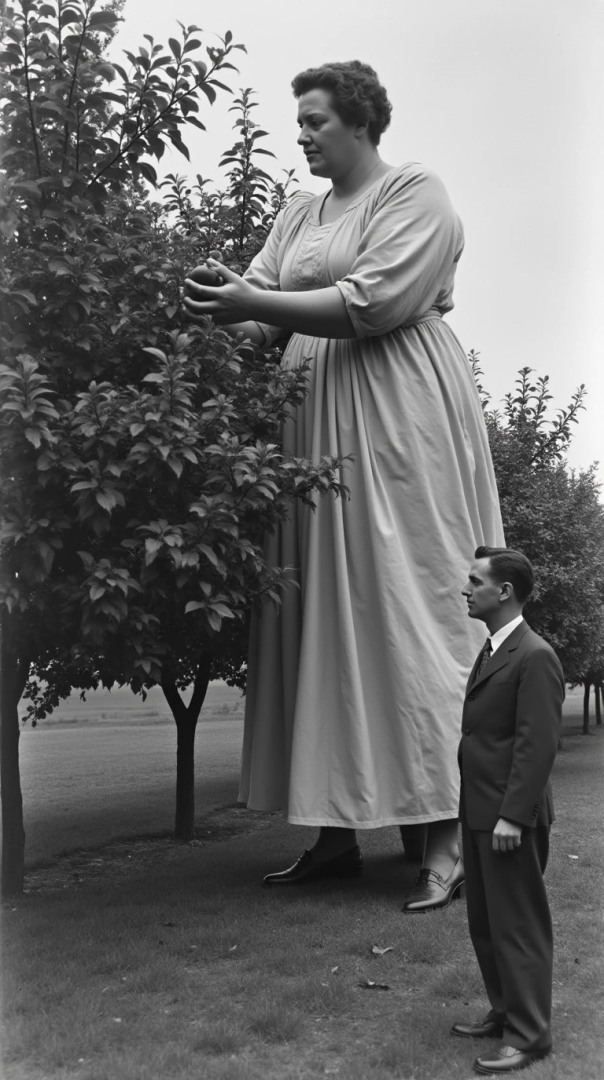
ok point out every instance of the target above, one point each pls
(174, 100)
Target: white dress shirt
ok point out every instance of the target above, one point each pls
(499, 636)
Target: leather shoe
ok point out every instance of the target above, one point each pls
(508, 1059)
(347, 865)
(431, 891)
(489, 1028)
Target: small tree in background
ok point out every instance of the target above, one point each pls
(140, 457)
(553, 514)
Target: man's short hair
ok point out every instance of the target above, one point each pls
(509, 565)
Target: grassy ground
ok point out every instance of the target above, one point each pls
(142, 960)
(106, 769)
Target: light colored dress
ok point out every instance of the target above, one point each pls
(356, 682)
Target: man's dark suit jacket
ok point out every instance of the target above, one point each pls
(510, 732)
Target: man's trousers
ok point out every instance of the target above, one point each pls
(511, 931)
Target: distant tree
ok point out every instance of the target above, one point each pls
(553, 514)
(593, 680)
(140, 458)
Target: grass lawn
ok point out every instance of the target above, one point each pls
(146, 961)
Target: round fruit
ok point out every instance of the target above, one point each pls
(202, 275)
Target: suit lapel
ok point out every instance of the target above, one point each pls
(501, 657)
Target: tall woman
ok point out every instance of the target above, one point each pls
(356, 682)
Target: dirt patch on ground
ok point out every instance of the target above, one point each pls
(78, 867)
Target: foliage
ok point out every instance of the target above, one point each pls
(553, 514)
(140, 456)
(68, 133)
(96, 470)
(152, 501)
(234, 222)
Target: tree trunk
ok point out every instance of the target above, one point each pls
(586, 686)
(186, 717)
(13, 676)
(184, 817)
(598, 693)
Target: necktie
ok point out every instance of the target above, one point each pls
(483, 657)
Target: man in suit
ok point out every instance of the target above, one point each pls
(510, 731)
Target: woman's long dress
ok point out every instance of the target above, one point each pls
(356, 682)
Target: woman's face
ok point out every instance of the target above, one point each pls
(330, 146)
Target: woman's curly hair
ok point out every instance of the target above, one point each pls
(357, 94)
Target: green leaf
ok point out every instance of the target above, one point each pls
(106, 499)
(191, 45)
(29, 187)
(69, 15)
(214, 620)
(176, 47)
(196, 122)
(148, 172)
(33, 436)
(193, 605)
(105, 19)
(209, 554)
(223, 610)
(207, 90)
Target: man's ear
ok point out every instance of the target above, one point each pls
(507, 590)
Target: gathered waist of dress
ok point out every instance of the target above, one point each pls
(433, 313)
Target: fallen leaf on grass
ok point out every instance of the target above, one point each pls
(368, 984)
(377, 950)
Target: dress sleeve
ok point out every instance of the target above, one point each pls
(405, 261)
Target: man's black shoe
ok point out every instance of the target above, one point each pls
(508, 1059)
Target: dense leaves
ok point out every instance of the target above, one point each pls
(235, 222)
(140, 456)
(151, 500)
(554, 515)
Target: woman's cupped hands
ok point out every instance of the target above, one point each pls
(213, 289)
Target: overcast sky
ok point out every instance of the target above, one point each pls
(504, 99)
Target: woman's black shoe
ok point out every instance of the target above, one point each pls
(347, 865)
(431, 891)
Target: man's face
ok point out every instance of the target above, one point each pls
(483, 595)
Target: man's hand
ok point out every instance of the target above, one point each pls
(506, 835)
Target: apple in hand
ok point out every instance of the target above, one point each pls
(202, 275)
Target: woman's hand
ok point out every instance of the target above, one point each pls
(318, 312)
(229, 302)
